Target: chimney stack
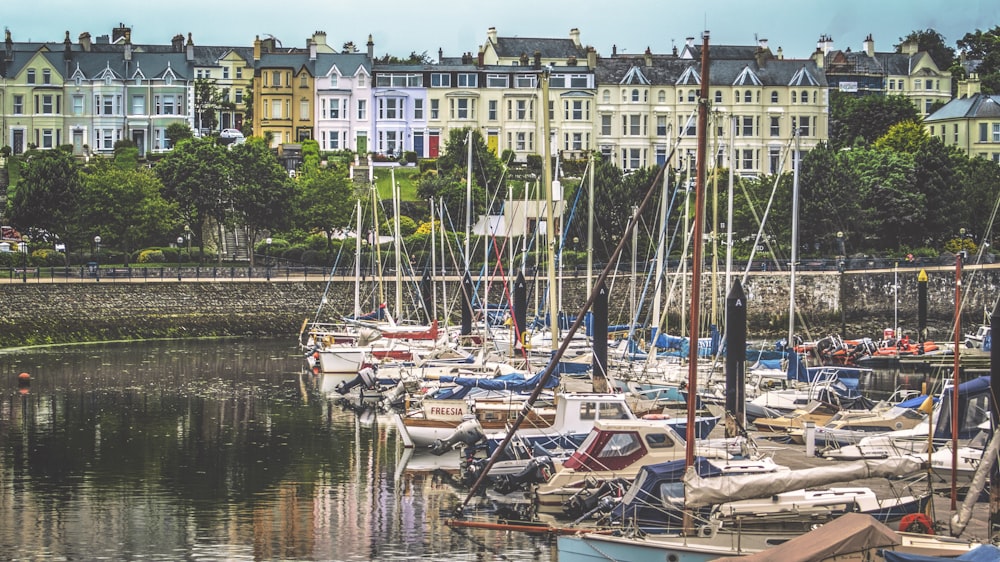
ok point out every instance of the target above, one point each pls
(189, 55)
(869, 46)
(312, 48)
(538, 60)
(371, 47)
(256, 48)
(491, 34)
(84, 41)
(648, 58)
(574, 35)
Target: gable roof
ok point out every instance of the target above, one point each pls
(973, 107)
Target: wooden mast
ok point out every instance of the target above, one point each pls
(696, 251)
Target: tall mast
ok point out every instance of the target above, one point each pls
(396, 245)
(550, 223)
(696, 243)
(468, 201)
(795, 240)
(590, 226)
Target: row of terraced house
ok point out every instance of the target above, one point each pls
(635, 108)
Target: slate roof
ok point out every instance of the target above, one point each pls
(347, 63)
(972, 107)
(667, 69)
(514, 47)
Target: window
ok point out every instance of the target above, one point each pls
(399, 80)
(138, 104)
(46, 104)
(462, 108)
(362, 110)
(691, 96)
(165, 105)
(954, 129)
(689, 128)
(160, 138)
(736, 96)
(440, 80)
(105, 139)
(718, 96)
(577, 110)
(47, 138)
(635, 95)
(892, 84)
(606, 96)
(18, 104)
(303, 81)
(661, 125)
(276, 78)
(605, 124)
(497, 80)
(239, 95)
(775, 126)
(680, 96)
(303, 109)
(928, 103)
(388, 142)
(917, 84)
(774, 97)
(748, 96)
(492, 110)
(362, 81)
(575, 141)
(468, 80)
(225, 73)
(631, 158)
(524, 141)
(47, 76)
(746, 126)
(803, 128)
(435, 109)
(795, 96)
(529, 81)
(390, 108)
(418, 108)
(239, 72)
(661, 96)
(521, 110)
(30, 76)
(996, 132)
(747, 161)
(78, 105)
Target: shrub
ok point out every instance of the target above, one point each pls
(293, 254)
(427, 165)
(47, 256)
(151, 256)
(410, 157)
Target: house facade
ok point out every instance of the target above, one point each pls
(970, 122)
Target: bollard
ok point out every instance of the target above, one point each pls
(809, 429)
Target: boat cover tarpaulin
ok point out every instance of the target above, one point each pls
(971, 397)
(514, 382)
(847, 534)
(982, 553)
(699, 491)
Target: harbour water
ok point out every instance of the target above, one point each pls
(212, 450)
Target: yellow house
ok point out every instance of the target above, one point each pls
(283, 92)
(970, 122)
(33, 100)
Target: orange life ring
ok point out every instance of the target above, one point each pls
(656, 417)
(916, 523)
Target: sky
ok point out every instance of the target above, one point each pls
(456, 26)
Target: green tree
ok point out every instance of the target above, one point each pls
(176, 132)
(828, 201)
(984, 47)
(196, 175)
(125, 207)
(487, 171)
(46, 195)
(933, 44)
(894, 210)
(938, 176)
(262, 191)
(905, 136)
(209, 99)
(126, 155)
(862, 120)
(326, 202)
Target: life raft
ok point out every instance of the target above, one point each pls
(916, 523)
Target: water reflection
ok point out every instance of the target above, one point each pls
(211, 450)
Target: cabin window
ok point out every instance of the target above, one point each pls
(620, 445)
(659, 441)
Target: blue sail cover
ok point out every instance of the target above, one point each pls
(982, 553)
(679, 346)
(514, 382)
(973, 408)
(658, 501)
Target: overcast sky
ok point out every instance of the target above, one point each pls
(400, 27)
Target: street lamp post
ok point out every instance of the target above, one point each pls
(24, 248)
(267, 255)
(187, 234)
(180, 246)
(97, 258)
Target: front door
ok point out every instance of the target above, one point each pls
(434, 148)
(17, 141)
(77, 142)
(362, 143)
(139, 138)
(493, 142)
(418, 144)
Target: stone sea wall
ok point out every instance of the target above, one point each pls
(40, 313)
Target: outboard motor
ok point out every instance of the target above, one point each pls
(468, 432)
(365, 378)
(395, 396)
(538, 470)
(591, 496)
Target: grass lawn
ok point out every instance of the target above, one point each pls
(406, 178)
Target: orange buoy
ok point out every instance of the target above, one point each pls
(23, 379)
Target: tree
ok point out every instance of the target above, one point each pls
(125, 207)
(349, 47)
(46, 195)
(208, 100)
(862, 120)
(196, 175)
(414, 59)
(906, 136)
(984, 47)
(176, 132)
(262, 191)
(487, 171)
(326, 202)
(933, 44)
(829, 202)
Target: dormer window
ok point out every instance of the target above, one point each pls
(168, 79)
(46, 76)
(30, 76)
(635, 95)
(107, 79)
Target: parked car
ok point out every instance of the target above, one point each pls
(231, 134)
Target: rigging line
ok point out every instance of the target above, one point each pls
(563, 346)
(762, 221)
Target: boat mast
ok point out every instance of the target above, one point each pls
(357, 262)
(550, 227)
(795, 240)
(396, 245)
(468, 200)
(434, 291)
(692, 383)
(590, 226)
